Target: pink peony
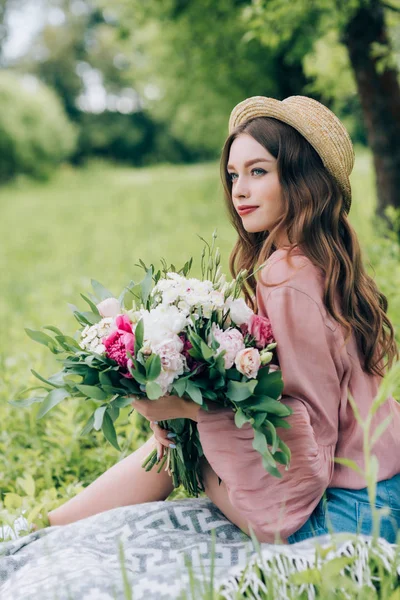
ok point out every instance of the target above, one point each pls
(248, 362)
(230, 340)
(260, 328)
(120, 341)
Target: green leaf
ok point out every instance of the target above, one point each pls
(68, 343)
(101, 292)
(153, 390)
(104, 378)
(92, 391)
(41, 338)
(240, 390)
(153, 369)
(269, 383)
(180, 386)
(89, 426)
(26, 401)
(259, 419)
(380, 429)
(109, 431)
(53, 329)
(260, 442)
(240, 418)
(27, 483)
(206, 351)
(347, 462)
(12, 501)
(122, 402)
(271, 469)
(278, 422)
(272, 429)
(98, 417)
(146, 285)
(92, 305)
(52, 399)
(139, 333)
(194, 392)
(271, 406)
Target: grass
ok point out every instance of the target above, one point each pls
(97, 222)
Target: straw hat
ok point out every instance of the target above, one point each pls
(319, 125)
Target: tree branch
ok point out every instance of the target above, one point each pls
(390, 7)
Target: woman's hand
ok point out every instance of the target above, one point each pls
(163, 409)
(166, 408)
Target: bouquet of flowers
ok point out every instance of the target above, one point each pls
(170, 334)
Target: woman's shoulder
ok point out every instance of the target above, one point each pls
(293, 269)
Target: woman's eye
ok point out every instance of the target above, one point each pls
(233, 175)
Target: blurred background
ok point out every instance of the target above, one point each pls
(112, 119)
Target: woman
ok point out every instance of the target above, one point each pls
(285, 168)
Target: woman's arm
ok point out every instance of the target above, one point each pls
(310, 363)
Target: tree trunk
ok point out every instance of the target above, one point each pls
(379, 94)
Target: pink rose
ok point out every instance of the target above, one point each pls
(110, 307)
(120, 341)
(230, 340)
(260, 328)
(248, 362)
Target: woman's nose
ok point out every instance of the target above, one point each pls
(240, 189)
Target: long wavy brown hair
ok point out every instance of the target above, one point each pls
(315, 219)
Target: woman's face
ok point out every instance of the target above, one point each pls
(253, 172)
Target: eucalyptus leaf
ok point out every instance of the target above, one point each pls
(153, 390)
(269, 383)
(26, 401)
(89, 426)
(101, 292)
(92, 391)
(92, 305)
(153, 369)
(48, 381)
(194, 392)
(98, 417)
(51, 400)
(146, 285)
(240, 390)
(240, 418)
(109, 431)
(180, 386)
(139, 333)
(274, 407)
(41, 338)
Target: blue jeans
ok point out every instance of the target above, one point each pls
(344, 510)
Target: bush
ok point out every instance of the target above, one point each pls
(35, 134)
(129, 138)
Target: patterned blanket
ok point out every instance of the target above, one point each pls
(143, 551)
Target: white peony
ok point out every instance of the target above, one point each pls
(240, 313)
(110, 307)
(165, 380)
(170, 353)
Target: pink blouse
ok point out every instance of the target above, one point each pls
(317, 371)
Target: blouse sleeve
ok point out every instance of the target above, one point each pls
(309, 361)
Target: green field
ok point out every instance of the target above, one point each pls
(96, 223)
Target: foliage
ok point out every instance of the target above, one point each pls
(35, 134)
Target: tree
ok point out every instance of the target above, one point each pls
(363, 31)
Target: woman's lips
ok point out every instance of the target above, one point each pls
(247, 210)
